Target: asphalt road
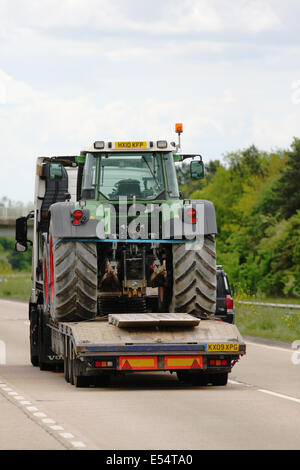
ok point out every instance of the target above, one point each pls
(258, 409)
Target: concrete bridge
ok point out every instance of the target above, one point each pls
(8, 216)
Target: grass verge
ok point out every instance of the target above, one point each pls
(17, 287)
(282, 324)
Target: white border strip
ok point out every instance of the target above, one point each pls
(42, 417)
(279, 395)
(267, 304)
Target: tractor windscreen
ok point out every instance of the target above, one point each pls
(129, 175)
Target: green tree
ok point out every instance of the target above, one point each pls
(288, 186)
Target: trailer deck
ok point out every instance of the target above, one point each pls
(101, 337)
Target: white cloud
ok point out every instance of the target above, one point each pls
(174, 16)
(74, 71)
(187, 16)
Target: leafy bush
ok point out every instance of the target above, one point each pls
(257, 200)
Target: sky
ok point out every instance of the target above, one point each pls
(76, 71)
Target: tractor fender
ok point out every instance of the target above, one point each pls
(210, 222)
(61, 217)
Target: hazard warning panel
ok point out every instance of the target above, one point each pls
(183, 362)
(137, 362)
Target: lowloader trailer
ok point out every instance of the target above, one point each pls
(199, 351)
(124, 267)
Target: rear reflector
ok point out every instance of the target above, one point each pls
(183, 362)
(138, 362)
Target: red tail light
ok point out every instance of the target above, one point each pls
(229, 302)
(191, 213)
(77, 214)
(218, 362)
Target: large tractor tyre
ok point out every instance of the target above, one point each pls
(73, 280)
(194, 279)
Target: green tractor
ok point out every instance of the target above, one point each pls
(113, 234)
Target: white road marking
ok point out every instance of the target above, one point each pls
(268, 392)
(57, 428)
(279, 395)
(66, 435)
(48, 421)
(78, 444)
(277, 348)
(39, 414)
(235, 382)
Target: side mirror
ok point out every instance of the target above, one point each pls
(21, 234)
(21, 229)
(197, 169)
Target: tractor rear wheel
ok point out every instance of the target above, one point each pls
(73, 280)
(194, 279)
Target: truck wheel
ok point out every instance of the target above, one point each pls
(66, 360)
(45, 276)
(101, 380)
(219, 379)
(42, 341)
(70, 361)
(200, 379)
(183, 376)
(76, 379)
(80, 381)
(73, 280)
(33, 336)
(192, 378)
(194, 279)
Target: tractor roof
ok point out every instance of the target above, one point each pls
(129, 146)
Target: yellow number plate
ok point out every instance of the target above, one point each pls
(222, 347)
(130, 145)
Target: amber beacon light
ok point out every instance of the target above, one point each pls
(179, 128)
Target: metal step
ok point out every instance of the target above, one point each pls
(125, 320)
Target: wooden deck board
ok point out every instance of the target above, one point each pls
(152, 319)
